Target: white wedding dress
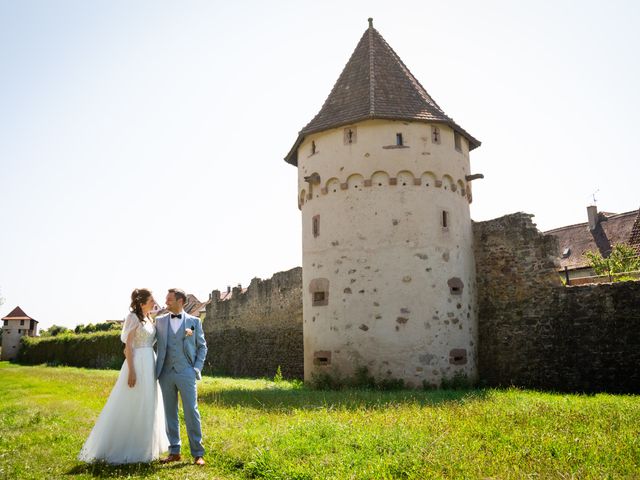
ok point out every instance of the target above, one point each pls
(131, 426)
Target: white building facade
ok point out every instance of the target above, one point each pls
(15, 326)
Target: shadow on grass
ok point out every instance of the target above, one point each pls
(104, 470)
(349, 399)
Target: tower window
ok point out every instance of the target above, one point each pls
(313, 147)
(399, 141)
(455, 286)
(457, 141)
(322, 358)
(350, 135)
(316, 225)
(319, 298)
(21, 322)
(435, 134)
(319, 290)
(445, 219)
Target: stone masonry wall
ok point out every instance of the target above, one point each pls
(254, 332)
(533, 331)
(536, 333)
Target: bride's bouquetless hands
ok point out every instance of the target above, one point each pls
(132, 379)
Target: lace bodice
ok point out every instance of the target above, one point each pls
(145, 334)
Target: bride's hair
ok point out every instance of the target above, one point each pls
(138, 298)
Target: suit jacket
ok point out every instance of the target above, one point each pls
(194, 346)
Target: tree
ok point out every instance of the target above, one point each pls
(54, 330)
(98, 327)
(622, 259)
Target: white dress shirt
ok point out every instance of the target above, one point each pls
(176, 322)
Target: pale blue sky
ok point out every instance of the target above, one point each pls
(141, 142)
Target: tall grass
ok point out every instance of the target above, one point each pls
(282, 430)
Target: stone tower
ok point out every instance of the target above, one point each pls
(388, 265)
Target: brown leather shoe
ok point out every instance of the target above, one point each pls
(198, 461)
(173, 457)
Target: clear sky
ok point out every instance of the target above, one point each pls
(142, 142)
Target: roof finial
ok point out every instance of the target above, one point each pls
(370, 22)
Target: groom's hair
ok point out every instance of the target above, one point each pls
(179, 294)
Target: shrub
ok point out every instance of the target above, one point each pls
(459, 381)
(90, 350)
(54, 330)
(622, 259)
(278, 378)
(97, 327)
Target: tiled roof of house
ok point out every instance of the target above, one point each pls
(228, 294)
(375, 84)
(18, 314)
(193, 306)
(634, 238)
(578, 239)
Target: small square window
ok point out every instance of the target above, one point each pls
(319, 298)
(322, 358)
(399, 140)
(319, 290)
(21, 322)
(457, 141)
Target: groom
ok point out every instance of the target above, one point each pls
(181, 353)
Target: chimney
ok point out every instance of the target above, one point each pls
(592, 214)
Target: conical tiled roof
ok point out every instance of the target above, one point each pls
(375, 83)
(17, 314)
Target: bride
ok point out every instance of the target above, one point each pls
(131, 426)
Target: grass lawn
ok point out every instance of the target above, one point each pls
(262, 429)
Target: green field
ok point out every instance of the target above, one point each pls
(262, 429)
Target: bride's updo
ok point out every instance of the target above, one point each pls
(139, 297)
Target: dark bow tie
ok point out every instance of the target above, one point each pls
(173, 315)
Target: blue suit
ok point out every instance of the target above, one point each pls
(178, 366)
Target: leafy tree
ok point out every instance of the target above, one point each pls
(622, 259)
(54, 330)
(97, 327)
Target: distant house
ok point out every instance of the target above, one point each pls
(599, 233)
(193, 306)
(14, 326)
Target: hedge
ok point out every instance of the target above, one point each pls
(90, 350)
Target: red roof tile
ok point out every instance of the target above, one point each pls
(18, 314)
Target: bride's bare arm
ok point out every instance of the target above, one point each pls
(128, 353)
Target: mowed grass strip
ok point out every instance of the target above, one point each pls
(262, 429)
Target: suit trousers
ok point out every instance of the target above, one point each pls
(171, 383)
